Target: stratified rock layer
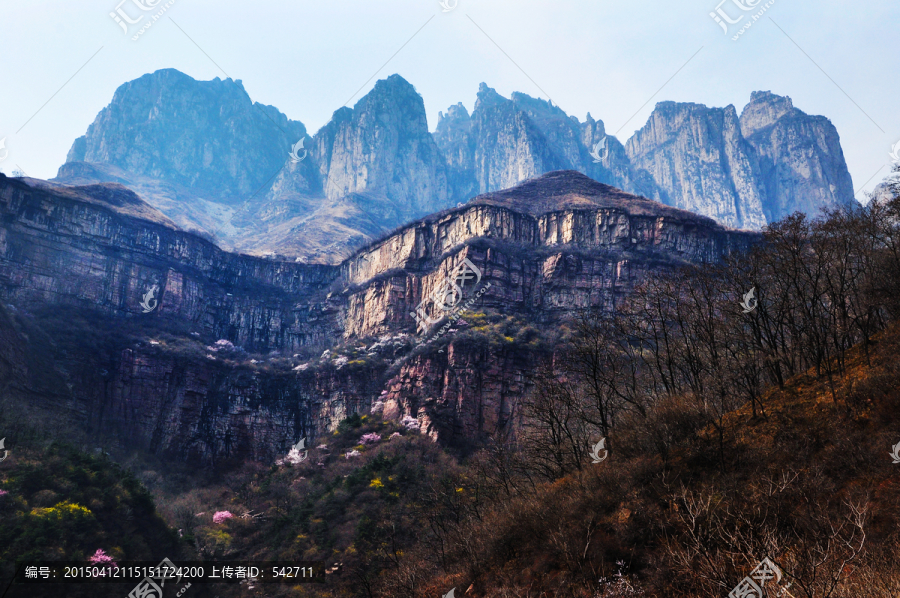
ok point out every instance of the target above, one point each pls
(541, 249)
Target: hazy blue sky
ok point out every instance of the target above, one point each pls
(606, 57)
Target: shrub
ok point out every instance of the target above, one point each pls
(222, 516)
(371, 438)
(101, 558)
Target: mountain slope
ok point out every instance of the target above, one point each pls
(548, 246)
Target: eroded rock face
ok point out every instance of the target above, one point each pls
(548, 246)
(208, 411)
(215, 162)
(382, 146)
(206, 135)
(507, 141)
(70, 249)
(802, 166)
(701, 162)
(744, 172)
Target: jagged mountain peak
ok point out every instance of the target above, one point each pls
(536, 105)
(393, 89)
(208, 136)
(672, 106)
(487, 97)
(198, 149)
(455, 112)
(771, 98)
(167, 82)
(765, 108)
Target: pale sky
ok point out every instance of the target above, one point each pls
(62, 62)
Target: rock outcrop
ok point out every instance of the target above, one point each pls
(507, 141)
(701, 162)
(745, 172)
(802, 166)
(204, 135)
(95, 247)
(382, 147)
(149, 366)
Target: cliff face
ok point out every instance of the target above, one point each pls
(206, 135)
(744, 172)
(69, 247)
(90, 254)
(802, 166)
(543, 248)
(701, 163)
(548, 246)
(383, 146)
(507, 141)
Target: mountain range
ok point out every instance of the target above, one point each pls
(317, 342)
(216, 163)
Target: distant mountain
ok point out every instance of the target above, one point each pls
(701, 162)
(506, 141)
(214, 162)
(801, 163)
(205, 135)
(370, 169)
(744, 171)
(204, 154)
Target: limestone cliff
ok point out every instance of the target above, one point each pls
(701, 162)
(802, 166)
(507, 141)
(205, 135)
(81, 260)
(214, 162)
(745, 172)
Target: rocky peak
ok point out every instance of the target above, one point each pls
(205, 135)
(383, 146)
(763, 110)
(456, 116)
(537, 107)
(196, 150)
(487, 97)
(801, 163)
(701, 162)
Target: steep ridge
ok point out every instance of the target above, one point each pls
(371, 169)
(548, 246)
(802, 166)
(383, 146)
(62, 246)
(506, 141)
(205, 135)
(377, 157)
(701, 162)
(745, 171)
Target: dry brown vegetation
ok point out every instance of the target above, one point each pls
(733, 436)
